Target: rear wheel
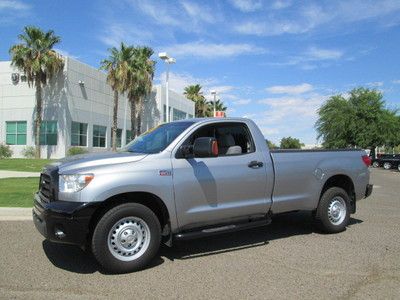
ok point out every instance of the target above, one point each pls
(375, 164)
(398, 167)
(126, 238)
(387, 166)
(333, 212)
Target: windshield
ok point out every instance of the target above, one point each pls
(157, 139)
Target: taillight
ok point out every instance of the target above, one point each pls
(367, 160)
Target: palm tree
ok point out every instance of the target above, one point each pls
(35, 57)
(202, 107)
(142, 69)
(118, 71)
(219, 106)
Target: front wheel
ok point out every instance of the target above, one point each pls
(333, 213)
(387, 166)
(126, 238)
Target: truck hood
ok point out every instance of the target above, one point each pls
(95, 160)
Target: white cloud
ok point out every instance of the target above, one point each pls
(247, 5)
(315, 53)
(212, 50)
(13, 5)
(290, 89)
(241, 102)
(222, 89)
(199, 12)
(281, 4)
(114, 34)
(316, 16)
(178, 81)
(375, 84)
(396, 81)
(161, 13)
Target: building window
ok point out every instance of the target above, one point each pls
(16, 133)
(48, 133)
(128, 136)
(178, 115)
(119, 137)
(99, 136)
(78, 134)
(165, 113)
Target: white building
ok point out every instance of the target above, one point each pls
(77, 110)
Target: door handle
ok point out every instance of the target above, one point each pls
(255, 164)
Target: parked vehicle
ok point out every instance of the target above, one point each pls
(189, 179)
(387, 161)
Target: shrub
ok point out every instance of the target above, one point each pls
(76, 151)
(28, 152)
(5, 151)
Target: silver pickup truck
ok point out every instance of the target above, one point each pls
(189, 179)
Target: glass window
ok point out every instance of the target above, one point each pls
(232, 138)
(119, 137)
(48, 133)
(190, 116)
(99, 136)
(157, 139)
(178, 115)
(128, 136)
(79, 134)
(16, 133)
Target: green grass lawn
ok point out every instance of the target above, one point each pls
(23, 164)
(18, 192)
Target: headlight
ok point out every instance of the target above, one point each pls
(74, 183)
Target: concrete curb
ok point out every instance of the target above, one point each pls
(15, 214)
(13, 174)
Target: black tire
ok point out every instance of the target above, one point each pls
(375, 164)
(110, 259)
(326, 211)
(398, 167)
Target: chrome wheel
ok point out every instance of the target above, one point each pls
(129, 238)
(398, 167)
(337, 210)
(375, 164)
(387, 166)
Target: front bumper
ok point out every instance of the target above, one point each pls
(63, 221)
(368, 190)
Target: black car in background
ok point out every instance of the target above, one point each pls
(387, 161)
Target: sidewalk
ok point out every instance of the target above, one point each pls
(15, 214)
(9, 174)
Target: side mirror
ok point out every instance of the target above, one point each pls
(205, 147)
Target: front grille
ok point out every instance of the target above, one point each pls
(48, 185)
(45, 187)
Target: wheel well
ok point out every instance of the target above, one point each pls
(147, 199)
(344, 182)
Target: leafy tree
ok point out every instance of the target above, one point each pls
(202, 106)
(291, 143)
(219, 106)
(362, 120)
(35, 57)
(117, 66)
(271, 145)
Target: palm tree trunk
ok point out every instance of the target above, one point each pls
(133, 118)
(115, 121)
(139, 117)
(38, 119)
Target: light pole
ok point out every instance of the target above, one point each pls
(168, 60)
(214, 92)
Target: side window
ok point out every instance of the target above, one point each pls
(233, 138)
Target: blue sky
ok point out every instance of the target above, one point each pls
(272, 61)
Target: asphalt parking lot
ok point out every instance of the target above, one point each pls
(287, 259)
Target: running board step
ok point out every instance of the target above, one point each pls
(221, 229)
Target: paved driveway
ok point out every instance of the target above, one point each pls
(285, 260)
